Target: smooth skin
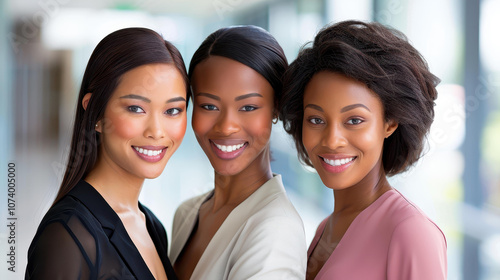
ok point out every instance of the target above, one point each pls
(148, 110)
(343, 132)
(233, 107)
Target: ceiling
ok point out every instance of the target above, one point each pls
(191, 8)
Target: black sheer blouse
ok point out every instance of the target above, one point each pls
(81, 237)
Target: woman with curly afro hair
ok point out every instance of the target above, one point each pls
(359, 103)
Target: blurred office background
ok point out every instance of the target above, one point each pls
(45, 45)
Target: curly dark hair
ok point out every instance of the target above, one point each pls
(383, 59)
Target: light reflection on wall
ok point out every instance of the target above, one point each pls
(490, 150)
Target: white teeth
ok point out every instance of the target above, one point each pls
(337, 162)
(148, 152)
(228, 149)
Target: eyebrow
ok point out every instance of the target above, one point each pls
(353, 106)
(316, 107)
(345, 109)
(254, 94)
(135, 96)
(175, 99)
(235, 99)
(208, 95)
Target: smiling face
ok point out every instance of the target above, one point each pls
(343, 129)
(232, 115)
(144, 121)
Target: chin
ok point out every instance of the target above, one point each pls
(227, 171)
(337, 187)
(150, 174)
(334, 184)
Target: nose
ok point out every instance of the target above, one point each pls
(154, 128)
(227, 124)
(334, 137)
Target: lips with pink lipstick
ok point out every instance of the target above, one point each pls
(229, 148)
(336, 163)
(150, 153)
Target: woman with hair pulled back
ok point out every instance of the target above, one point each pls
(359, 103)
(130, 118)
(245, 228)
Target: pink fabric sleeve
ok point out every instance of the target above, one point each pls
(417, 251)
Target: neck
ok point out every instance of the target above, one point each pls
(234, 189)
(356, 198)
(120, 189)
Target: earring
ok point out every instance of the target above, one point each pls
(96, 125)
(275, 120)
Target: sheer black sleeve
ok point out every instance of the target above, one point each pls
(63, 250)
(81, 237)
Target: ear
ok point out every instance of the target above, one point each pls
(98, 126)
(85, 104)
(275, 119)
(390, 127)
(85, 100)
(276, 107)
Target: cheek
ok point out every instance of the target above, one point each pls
(122, 127)
(369, 142)
(260, 128)
(201, 124)
(176, 129)
(309, 138)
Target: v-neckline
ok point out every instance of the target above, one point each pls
(116, 231)
(217, 233)
(227, 226)
(346, 235)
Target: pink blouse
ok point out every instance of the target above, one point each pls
(391, 239)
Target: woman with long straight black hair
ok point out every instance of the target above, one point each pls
(130, 118)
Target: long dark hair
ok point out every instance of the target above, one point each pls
(116, 54)
(249, 45)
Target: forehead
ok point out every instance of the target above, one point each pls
(337, 90)
(223, 76)
(150, 77)
(157, 71)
